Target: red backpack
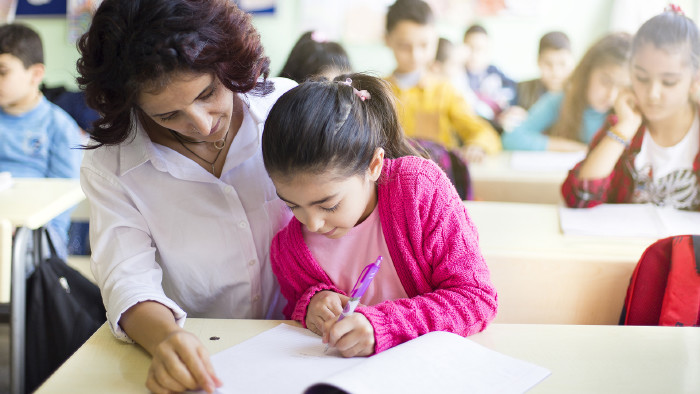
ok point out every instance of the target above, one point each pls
(665, 285)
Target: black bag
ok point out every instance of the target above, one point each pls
(63, 310)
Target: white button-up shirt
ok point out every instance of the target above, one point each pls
(162, 228)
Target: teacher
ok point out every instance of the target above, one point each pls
(182, 210)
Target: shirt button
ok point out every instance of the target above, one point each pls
(251, 262)
(228, 189)
(242, 224)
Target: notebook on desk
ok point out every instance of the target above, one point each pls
(628, 220)
(290, 359)
(5, 180)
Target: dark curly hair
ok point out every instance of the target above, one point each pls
(137, 44)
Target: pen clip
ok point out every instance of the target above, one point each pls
(365, 278)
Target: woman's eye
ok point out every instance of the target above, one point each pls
(208, 95)
(167, 118)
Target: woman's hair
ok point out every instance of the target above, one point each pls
(137, 45)
(670, 30)
(313, 55)
(322, 126)
(612, 49)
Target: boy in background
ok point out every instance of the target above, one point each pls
(36, 136)
(429, 107)
(555, 62)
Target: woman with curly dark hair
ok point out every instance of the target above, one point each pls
(182, 210)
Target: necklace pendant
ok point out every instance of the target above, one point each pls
(220, 144)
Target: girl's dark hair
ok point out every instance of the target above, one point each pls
(322, 126)
(554, 40)
(612, 49)
(416, 11)
(670, 30)
(137, 44)
(311, 56)
(22, 42)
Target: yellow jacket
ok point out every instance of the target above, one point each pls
(435, 110)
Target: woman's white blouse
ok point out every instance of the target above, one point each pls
(164, 229)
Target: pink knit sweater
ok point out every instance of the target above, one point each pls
(435, 249)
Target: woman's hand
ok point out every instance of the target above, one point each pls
(324, 306)
(180, 362)
(629, 118)
(353, 336)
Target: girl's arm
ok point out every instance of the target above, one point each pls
(449, 275)
(529, 135)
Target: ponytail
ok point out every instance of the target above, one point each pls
(322, 126)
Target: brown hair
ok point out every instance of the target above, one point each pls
(611, 49)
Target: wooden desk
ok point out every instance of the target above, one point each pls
(584, 359)
(545, 277)
(494, 179)
(27, 206)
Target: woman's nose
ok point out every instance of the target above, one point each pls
(200, 121)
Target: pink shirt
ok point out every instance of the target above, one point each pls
(344, 259)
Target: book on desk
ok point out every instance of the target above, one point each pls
(289, 359)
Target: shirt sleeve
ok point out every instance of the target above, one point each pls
(123, 258)
(65, 153)
(458, 296)
(529, 135)
(472, 129)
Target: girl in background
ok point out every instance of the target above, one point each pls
(565, 122)
(356, 192)
(648, 153)
(314, 55)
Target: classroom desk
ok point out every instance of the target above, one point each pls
(494, 179)
(585, 359)
(545, 277)
(27, 205)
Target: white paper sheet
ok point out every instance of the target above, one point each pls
(628, 220)
(544, 160)
(289, 359)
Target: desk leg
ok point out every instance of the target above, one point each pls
(18, 304)
(5, 260)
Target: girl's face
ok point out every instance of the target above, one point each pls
(197, 106)
(604, 84)
(329, 205)
(661, 80)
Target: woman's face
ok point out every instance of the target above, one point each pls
(661, 80)
(604, 84)
(197, 106)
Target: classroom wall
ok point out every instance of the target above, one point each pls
(514, 37)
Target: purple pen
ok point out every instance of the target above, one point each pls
(359, 289)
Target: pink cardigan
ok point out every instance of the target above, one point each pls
(435, 249)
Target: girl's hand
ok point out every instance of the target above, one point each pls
(325, 306)
(353, 336)
(181, 362)
(628, 114)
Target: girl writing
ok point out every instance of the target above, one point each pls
(337, 156)
(648, 153)
(567, 121)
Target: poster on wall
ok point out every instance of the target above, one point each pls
(7, 10)
(79, 14)
(41, 7)
(258, 6)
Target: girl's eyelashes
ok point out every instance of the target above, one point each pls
(670, 83)
(641, 79)
(331, 209)
(291, 208)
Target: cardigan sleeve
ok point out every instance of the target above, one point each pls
(441, 266)
(299, 277)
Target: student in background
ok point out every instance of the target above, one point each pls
(349, 177)
(489, 83)
(429, 107)
(182, 210)
(555, 62)
(314, 55)
(650, 151)
(567, 121)
(37, 138)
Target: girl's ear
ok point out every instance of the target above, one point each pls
(695, 88)
(376, 165)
